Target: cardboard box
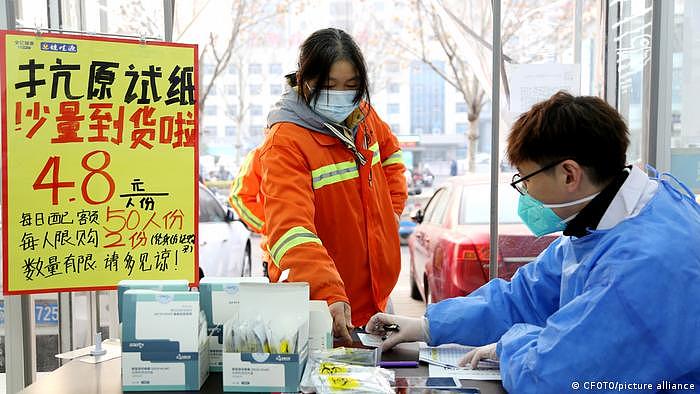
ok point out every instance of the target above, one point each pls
(166, 285)
(284, 307)
(320, 326)
(219, 301)
(164, 346)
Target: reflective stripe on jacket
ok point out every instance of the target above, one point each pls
(247, 200)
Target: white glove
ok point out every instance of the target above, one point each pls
(480, 353)
(410, 329)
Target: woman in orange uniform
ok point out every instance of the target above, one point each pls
(333, 184)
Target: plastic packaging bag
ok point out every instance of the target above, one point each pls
(202, 329)
(331, 377)
(370, 381)
(348, 374)
(366, 357)
(257, 336)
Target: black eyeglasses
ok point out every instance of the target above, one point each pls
(517, 181)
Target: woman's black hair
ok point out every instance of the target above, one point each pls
(318, 53)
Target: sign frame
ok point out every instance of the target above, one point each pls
(4, 151)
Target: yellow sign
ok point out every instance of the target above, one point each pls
(99, 161)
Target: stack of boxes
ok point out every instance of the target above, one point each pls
(173, 337)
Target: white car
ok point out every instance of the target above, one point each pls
(224, 241)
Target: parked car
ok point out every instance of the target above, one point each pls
(224, 241)
(449, 249)
(406, 224)
(406, 228)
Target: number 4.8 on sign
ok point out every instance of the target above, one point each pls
(52, 166)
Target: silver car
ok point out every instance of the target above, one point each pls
(224, 241)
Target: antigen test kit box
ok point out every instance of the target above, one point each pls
(219, 301)
(164, 344)
(167, 285)
(266, 346)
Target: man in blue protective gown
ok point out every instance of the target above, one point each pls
(616, 298)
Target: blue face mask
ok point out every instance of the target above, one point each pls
(540, 218)
(336, 105)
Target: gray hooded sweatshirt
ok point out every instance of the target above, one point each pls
(292, 108)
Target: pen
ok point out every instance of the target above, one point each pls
(398, 364)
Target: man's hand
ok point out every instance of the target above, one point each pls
(342, 321)
(409, 329)
(480, 353)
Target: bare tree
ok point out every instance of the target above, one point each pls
(418, 37)
(242, 104)
(255, 34)
(247, 17)
(249, 20)
(137, 20)
(374, 46)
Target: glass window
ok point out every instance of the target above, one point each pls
(461, 107)
(394, 88)
(461, 128)
(633, 38)
(393, 108)
(255, 68)
(231, 89)
(46, 330)
(393, 67)
(685, 93)
(395, 128)
(340, 7)
(210, 130)
(213, 90)
(275, 69)
(232, 110)
(209, 208)
(211, 109)
(208, 68)
(230, 131)
(475, 205)
(256, 110)
(427, 98)
(434, 201)
(256, 130)
(276, 89)
(255, 89)
(438, 215)
(113, 16)
(232, 69)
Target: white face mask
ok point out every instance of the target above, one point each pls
(335, 105)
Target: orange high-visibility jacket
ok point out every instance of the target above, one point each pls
(245, 197)
(247, 200)
(330, 221)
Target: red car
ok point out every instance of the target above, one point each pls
(449, 248)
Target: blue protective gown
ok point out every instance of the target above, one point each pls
(620, 305)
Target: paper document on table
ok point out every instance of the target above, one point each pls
(444, 362)
(436, 371)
